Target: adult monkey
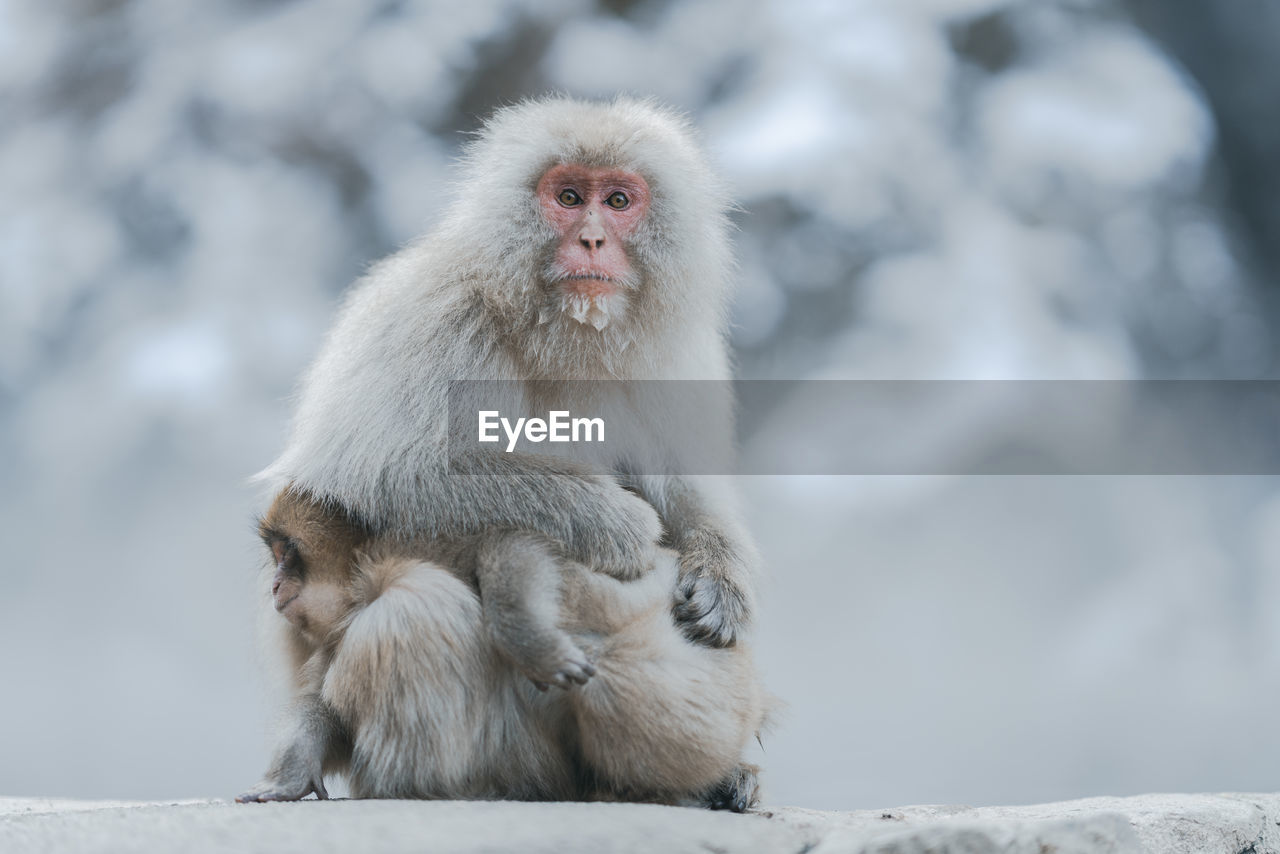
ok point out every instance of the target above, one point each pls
(587, 241)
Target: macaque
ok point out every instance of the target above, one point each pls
(586, 241)
(431, 593)
(410, 663)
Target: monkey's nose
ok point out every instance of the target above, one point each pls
(275, 584)
(591, 236)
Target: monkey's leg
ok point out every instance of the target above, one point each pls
(298, 767)
(519, 576)
(714, 589)
(427, 700)
(665, 720)
(657, 732)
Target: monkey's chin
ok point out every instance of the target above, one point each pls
(596, 310)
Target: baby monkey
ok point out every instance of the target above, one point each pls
(421, 670)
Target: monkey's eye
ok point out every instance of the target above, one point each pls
(618, 200)
(569, 198)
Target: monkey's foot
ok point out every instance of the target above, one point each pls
(277, 790)
(710, 609)
(566, 667)
(739, 792)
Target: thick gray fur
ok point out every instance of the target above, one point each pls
(471, 301)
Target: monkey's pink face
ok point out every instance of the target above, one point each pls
(594, 212)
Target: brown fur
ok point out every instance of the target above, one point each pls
(408, 662)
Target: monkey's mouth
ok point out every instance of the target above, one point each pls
(589, 284)
(280, 606)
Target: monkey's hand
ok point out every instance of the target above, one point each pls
(738, 792)
(519, 574)
(293, 776)
(564, 664)
(713, 600)
(620, 536)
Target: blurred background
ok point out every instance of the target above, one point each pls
(967, 189)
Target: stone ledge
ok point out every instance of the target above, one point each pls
(1150, 824)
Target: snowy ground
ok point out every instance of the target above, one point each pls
(1159, 824)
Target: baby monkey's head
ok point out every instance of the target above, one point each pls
(313, 548)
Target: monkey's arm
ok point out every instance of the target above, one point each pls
(519, 577)
(599, 523)
(714, 593)
(314, 742)
(374, 434)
